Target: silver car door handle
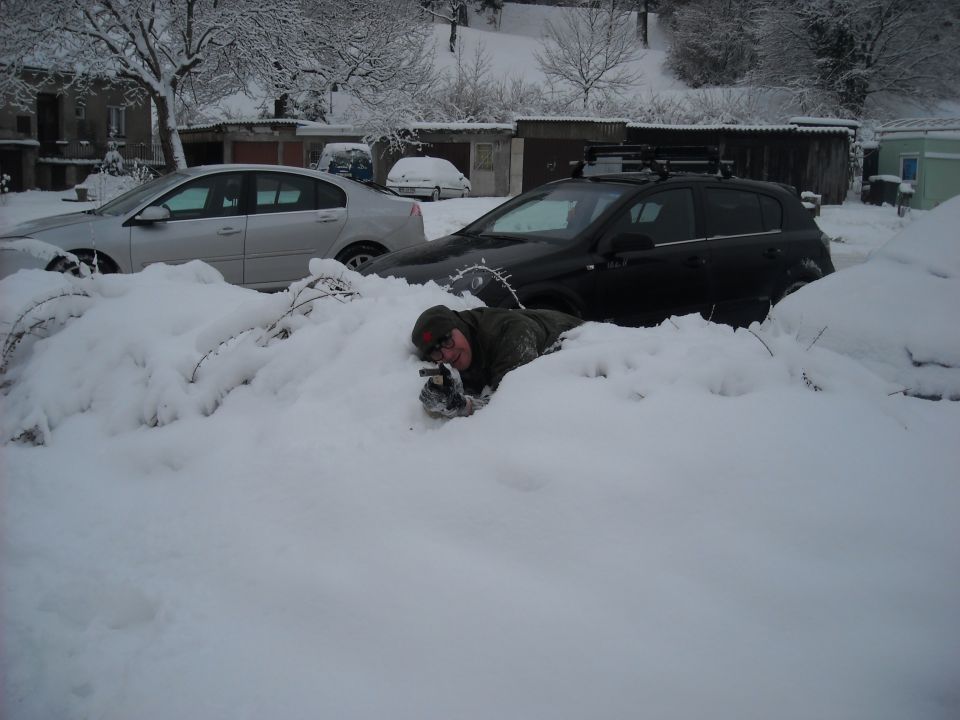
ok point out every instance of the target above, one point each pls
(228, 231)
(325, 217)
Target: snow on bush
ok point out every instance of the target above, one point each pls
(897, 311)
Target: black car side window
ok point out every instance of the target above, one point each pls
(666, 217)
(733, 212)
(207, 197)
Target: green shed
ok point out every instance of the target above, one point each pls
(924, 152)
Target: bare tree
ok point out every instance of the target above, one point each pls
(453, 11)
(835, 54)
(18, 49)
(590, 49)
(379, 53)
(155, 46)
(473, 93)
(713, 42)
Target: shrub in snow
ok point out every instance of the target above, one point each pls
(299, 302)
(41, 318)
(113, 161)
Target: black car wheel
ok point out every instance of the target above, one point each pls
(791, 288)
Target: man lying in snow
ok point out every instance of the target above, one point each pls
(481, 346)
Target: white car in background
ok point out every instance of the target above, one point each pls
(259, 225)
(427, 177)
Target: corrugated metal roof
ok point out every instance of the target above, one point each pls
(833, 130)
(920, 125)
(535, 118)
(461, 126)
(249, 122)
(821, 121)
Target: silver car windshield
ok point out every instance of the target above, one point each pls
(132, 199)
(556, 213)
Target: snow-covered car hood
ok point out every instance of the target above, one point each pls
(34, 227)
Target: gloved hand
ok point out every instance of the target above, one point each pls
(447, 399)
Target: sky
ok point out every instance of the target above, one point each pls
(222, 508)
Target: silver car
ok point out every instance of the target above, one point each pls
(259, 225)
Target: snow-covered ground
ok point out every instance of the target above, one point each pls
(673, 522)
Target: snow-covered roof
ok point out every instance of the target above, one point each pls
(925, 125)
(836, 130)
(463, 126)
(314, 129)
(248, 122)
(841, 122)
(561, 118)
(319, 128)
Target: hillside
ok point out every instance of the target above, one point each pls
(509, 50)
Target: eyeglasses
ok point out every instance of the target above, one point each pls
(436, 352)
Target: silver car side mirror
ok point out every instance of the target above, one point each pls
(154, 213)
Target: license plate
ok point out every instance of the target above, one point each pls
(406, 190)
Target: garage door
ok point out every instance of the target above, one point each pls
(456, 153)
(255, 152)
(293, 154)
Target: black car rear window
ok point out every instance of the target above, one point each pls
(733, 212)
(772, 212)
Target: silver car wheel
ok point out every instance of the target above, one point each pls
(356, 255)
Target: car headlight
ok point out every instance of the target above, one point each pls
(471, 282)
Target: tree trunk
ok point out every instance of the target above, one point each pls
(173, 156)
(643, 16)
(453, 33)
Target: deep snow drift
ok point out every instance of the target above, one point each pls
(240, 510)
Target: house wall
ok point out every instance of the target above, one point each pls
(271, 145)
(891, 150)
(551, 147)
(938, 167)
(941, 158)
(72, 129)
(815, 162)
(460, 148)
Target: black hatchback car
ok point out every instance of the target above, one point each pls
(632, 248)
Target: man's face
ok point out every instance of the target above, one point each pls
(459, 354)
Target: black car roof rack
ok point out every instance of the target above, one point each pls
(662, 160)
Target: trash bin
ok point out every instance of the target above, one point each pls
(883, 189)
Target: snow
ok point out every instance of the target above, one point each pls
(686, 519)
(919, 267)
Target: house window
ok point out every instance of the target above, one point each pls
(909, 168)
(483, 156)
(116, 121)
(315, 150)
(23, 124)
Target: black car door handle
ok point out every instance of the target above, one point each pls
(772, 253)
(695, 261)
